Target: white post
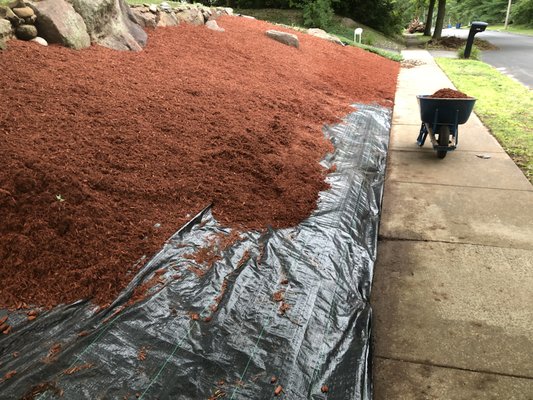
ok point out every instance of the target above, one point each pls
(507, 16)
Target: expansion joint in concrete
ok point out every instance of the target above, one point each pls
(452, 367)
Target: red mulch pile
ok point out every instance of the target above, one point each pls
(449, 94)
(97, 147)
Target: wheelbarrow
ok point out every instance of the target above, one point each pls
(441, 118)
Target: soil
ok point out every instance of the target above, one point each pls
(454, 43)
(105, 154)
(449, 94)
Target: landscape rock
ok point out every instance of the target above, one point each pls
(111, 23)
(26, 32)
(212, 24)
(40, 40)
(165, 6)
(152, 8)
(23, 12)
(167, 19)
(286, 38)
(324, 35)
(144, 17)
(6, 31)
(30, 20)
(58, 22)
(191, 16)
(7, 13)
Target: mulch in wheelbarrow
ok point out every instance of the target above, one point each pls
(105, 154)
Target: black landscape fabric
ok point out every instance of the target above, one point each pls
(223, 315)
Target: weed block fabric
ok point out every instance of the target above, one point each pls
(217, 313)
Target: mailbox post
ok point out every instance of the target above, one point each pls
(476, 27)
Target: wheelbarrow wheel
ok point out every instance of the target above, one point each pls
(444, 140)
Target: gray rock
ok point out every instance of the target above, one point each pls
(286, 38)
(6, 13)
(153, 8)
(228, 10)
(212, 24)
(165, 6)
(3, 45)
(40, 40)
(23, 12)
(191, 16)
(324, 35)
(26, 32)
(167, 19)
(58, 22)
(145, 18)
(111, 23)
(6, 31)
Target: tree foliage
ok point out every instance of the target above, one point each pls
(383, 15)
(318, 13)
(523, 12)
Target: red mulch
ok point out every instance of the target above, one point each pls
(449, 94)
(99, 146)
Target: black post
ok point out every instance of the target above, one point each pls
(476, 27)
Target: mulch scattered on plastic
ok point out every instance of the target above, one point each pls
(448, 93)
(105, 154)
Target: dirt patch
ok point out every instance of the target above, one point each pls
(105, 154)
(448, 93)
(454, 43)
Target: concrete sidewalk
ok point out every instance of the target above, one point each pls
(453, 283)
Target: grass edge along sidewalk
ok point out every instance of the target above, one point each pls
(502, 104)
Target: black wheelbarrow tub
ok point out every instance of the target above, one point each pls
(445, 111)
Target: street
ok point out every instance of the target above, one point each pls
(514, 57)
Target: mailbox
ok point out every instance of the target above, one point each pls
(476, 27)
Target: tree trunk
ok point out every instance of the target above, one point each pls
(429, 19)
(439, 23)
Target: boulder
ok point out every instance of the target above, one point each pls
(212, 24)
(348, 23)
(324, 35)
(167, 19)
(23, 12)
(152, 8)
(111, 23)
(58, 22)
(6, 31)
(286, 38)
(165, 6)
(26, 32)
(191, 16)
(7, 13)
(144, 17)
(40, 40)
(30, 20)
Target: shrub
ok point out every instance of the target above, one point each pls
(318, 14)
(474, 54)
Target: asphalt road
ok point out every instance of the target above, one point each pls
(514, 56)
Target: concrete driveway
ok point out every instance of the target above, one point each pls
(514, 57)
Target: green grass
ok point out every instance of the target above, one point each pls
(372, 40)
(521, 29)
(502, 104)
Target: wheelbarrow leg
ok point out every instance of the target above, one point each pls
(444, 140)
(422, 135)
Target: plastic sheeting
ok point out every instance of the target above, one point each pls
(216, 314)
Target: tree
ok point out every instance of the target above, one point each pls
(439, 23)
(523, 12)
(429, 19)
